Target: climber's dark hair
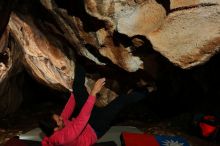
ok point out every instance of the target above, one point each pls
(48, 124)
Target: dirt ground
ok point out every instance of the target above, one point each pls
(27, 118)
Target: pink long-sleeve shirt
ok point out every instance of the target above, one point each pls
(76, 132)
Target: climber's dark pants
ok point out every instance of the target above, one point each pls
(101, 118)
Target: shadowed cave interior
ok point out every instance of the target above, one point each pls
(168, 110)
(179, 94)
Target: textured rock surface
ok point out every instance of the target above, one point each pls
(189, 35)
(128, 39)
(43, 58)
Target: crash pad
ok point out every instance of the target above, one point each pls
(144, 139)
